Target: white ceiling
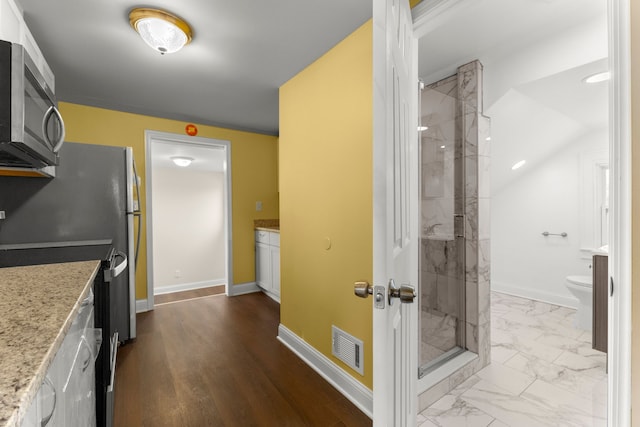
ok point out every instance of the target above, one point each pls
(535, 54)
(205, 158)
(533, 51)
(241, 53)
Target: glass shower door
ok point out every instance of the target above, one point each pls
(442, 249)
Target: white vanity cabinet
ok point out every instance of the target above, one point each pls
(15, 30)
(66, 397)
(268, 262)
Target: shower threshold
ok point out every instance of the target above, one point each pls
(439, 361)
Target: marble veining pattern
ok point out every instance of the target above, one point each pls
(38, 305)
(543, 373)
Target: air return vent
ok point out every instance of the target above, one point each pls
(347, 348)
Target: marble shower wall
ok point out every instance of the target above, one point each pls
(471, 131)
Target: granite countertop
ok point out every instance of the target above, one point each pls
(274, 229)
(37, 306)
(267, 224)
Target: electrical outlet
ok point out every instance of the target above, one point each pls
(258, 206)
(2, 215)
(177, 274)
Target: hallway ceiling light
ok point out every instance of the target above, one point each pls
(598, 77)
(518, 165)
(162, 31)
(182, 161)
(421, 128)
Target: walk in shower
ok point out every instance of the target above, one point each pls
(442, 225)
(454, 210)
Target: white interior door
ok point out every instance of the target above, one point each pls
(395, 212)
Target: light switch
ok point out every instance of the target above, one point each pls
(2, 215)
(258, 206)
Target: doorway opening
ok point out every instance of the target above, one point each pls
(522, 74)
(188, 220)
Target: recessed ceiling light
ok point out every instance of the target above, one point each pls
(488, 138)
(182, 161)
(518, 165)
(442, 146)
(161, 30)
(421, 128)
(598, 77)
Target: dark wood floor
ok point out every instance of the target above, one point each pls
(215, 361)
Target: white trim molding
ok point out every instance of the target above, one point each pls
(160, 290)
(619, 346)
(352, 389)
(142, 306)
(534, 294)
(243, 289)
(179, 139)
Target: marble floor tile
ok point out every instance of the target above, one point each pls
(592, 366)
(560, 376)
(452, 411)
(519, 342)
(509, 379)
(543, 373)
(567, 409)
(499, 403)
(502, 354)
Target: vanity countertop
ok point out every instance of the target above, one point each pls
(38, 305)
(267, 224)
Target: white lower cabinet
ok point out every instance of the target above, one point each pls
(268, 262)
(66, 397)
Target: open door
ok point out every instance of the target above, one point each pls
(395, 214)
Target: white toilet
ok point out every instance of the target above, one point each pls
(582, 288)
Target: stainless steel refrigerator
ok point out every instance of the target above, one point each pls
(92, 199)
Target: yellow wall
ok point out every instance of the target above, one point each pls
(253, 172)
(326, 192)
(635, 212)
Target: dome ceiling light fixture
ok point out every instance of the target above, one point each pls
(161, 30)
(182, 161)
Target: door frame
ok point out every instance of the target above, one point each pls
(178, 139)
(619, 326)
(427, 15)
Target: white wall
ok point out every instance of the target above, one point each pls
(546, 197)
(188, 229)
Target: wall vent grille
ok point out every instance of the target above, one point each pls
(347, 348)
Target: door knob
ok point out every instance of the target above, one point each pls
(406, 293)
(362, 289)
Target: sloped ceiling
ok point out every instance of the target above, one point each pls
(535, 55)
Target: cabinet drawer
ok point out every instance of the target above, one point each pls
(262, 236)
(274, 239)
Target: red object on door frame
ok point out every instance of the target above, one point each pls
(191, 129)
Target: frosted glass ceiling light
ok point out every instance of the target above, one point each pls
(182, 161)
(164, 32)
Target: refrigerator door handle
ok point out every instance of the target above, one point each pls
(114, 272)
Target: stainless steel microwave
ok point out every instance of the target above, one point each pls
(31, 127)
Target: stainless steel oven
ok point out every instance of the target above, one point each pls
(31, 127)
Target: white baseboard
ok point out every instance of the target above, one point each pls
(352, 389)
(142, 306)
(160, 290)
(243, 288)
(534, 294)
